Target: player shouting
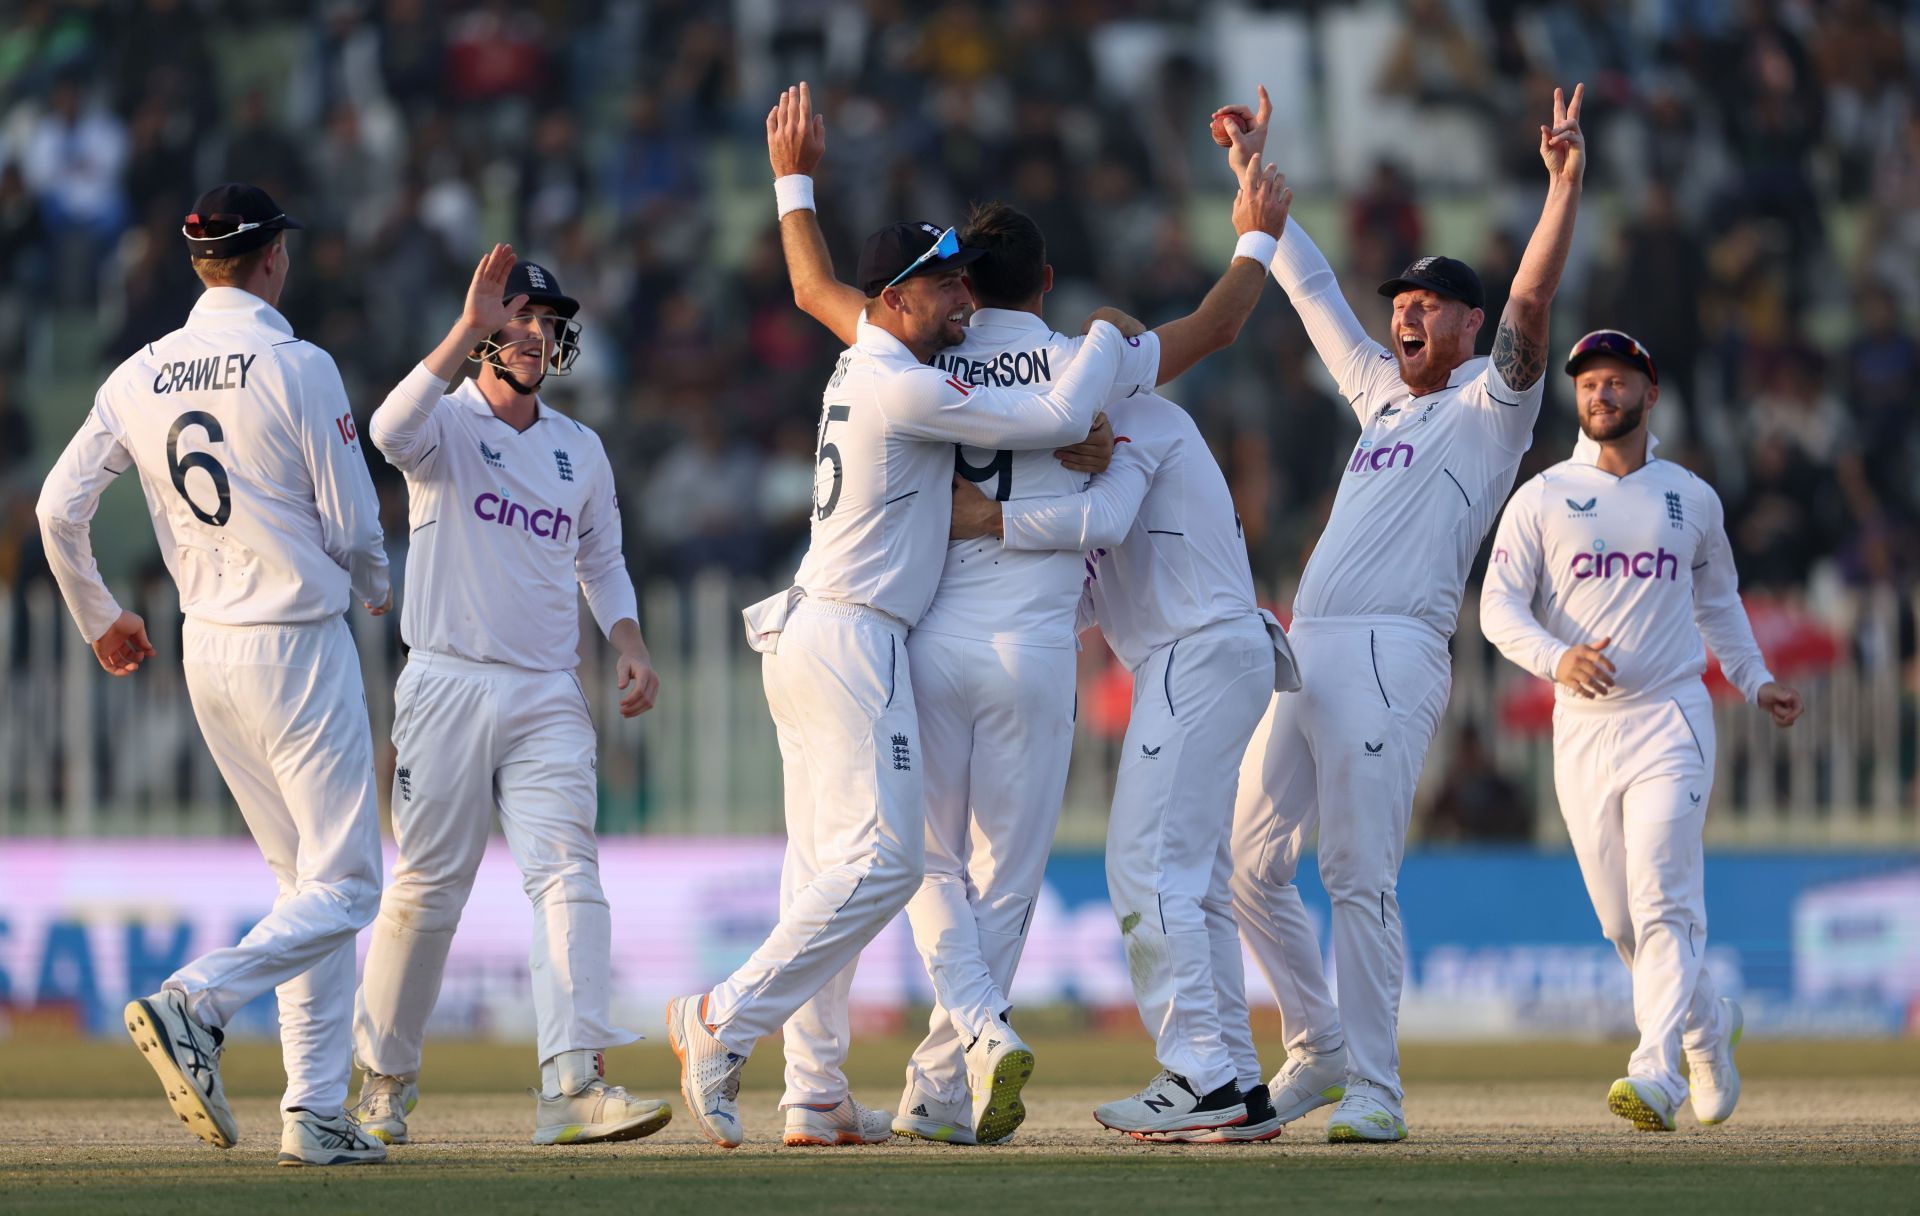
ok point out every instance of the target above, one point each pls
(267, 520)
(1608, 572)
(513, 516)
(1442, 434)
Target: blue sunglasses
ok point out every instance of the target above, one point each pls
(946, 246)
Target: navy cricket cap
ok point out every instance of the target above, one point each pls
(1449, 277)
(233, 219)
(536, 282)
(910, 248)
(1616, 344)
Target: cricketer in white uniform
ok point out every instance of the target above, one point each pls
(250, 463)
(993, 657)
(838, 671)
(1168, 581)
(1608, 572)
(513, 515)
(1441, 439)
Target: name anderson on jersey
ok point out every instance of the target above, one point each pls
(1006, 368)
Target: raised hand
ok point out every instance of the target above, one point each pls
(796, 136)
(485, 312)
(1246, 131)
(1263, 200)
(1562, 146)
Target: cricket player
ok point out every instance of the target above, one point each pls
(993, 657)
(1609, 570)
(266, 518)
(839, 673)
(513, 516)
(1442, 434)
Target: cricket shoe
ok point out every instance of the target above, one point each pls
(709, 1073)
(1364, 1117)
(1169, 1104)
(1308, 1081)
(185, 1055)
(385, 1102)
(923, 1117)
(310, 1139)
(999, 1064)
(1715, 1081)
(598, 1113)
(1643, 1103)
(845, 1122)
(1263, 1123)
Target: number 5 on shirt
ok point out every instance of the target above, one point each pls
(824, 453)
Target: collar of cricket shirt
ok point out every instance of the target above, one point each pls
(224, 307)
(1586, 451)
(470, 396)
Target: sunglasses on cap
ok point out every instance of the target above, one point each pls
(945, 246)
(1624, 347)
(219, 227)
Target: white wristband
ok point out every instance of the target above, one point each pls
(794, 192)
(1256, 245)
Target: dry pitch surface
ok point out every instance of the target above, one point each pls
(1822, 1127)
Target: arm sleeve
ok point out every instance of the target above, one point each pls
(927, 403)
(1718, 611)
(1509, 414)
(599, 563)
(67, 503)
(404, 427)
(1139, 367)
(343, 494)
(1342, 342)
(1513, 580)
(1100, 516)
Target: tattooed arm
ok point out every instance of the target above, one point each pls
(1520, 344)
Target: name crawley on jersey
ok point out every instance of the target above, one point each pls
(213, 373)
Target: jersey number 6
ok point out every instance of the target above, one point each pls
(178, 465)
(828, 452)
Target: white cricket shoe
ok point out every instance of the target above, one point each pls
(1710, 1072)
(709, 1073)
(598, 1113)
(1365, 1116)
(385, 1102)
(310, 1139)
(1263, 1123)
(924, 1117)
(1308, 1081)
(1643, 1103)
(999, 1064)
(1169, 1104)
(845, 1122)
(185, 1055)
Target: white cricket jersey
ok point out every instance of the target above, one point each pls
(987, 591)
(882, 495)
(1164, 554)
(1427, 476)
(505, 525)
(251, 467)
(1643, 559)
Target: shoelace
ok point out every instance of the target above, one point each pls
(382, 1101)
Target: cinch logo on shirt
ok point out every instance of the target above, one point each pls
(1601, 564)
(1367, 458)
(498, 509)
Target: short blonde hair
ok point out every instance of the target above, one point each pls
(234, 271)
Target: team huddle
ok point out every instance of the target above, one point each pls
(986, 489)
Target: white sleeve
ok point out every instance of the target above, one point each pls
(1139, 367)
(1513, 580)
(926, 403)
(343, 493)
(1507, 413)
(1342, 342)
(68, 500)
(404, 428)
(1718, 611)
(1098, 517)
(599, 563)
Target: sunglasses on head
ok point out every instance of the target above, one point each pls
(221, 226)
(1613, 342)
(945, 246)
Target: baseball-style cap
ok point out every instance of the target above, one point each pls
(1449, 277)
(537, 283)
(903, 250)
(233, 219)
(1613, 342)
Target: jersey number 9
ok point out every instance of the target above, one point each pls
(177, 465)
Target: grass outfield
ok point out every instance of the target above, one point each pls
(1822, 1127)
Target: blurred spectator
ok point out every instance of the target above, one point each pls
(702, 503)
(1477, 802)
(260, 152)
(1881, 376)
(496, 51)
(1651, 288)
(73, 160)
(1384, 230)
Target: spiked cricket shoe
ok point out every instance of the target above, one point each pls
(1308, 1081)
(1263, 1123)
(385, 1102)
(1711, 1074)
(310, 1139)
(1642, 1103)
(924, 1117)
(845, 1122)
(185, 1055)
(999, 1064)
(709, 1073)
(600, 1112)
(1169, 1104)
(1364, 1117)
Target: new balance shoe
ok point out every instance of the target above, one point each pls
(310, 1139)
(596, 1112)
(999, 1064)
(924, 1117)
(1710, 1071)
(1642, 1103)
(709, 1073)
(1365, 1116)
(1169, 1104)
(185, 1055)
(1263, 1123)
(845, 1122)
(1308, 1081)
(385, 1102)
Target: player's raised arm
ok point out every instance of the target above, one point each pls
(796, 140)
(68, 500)
(927, 403)
(1520, 344)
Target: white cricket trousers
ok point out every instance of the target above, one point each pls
(284, 712)
(472, 738)
(1341, 756)
(840, 688)
(1634, 783)
(1195, 704)
(996, 733)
